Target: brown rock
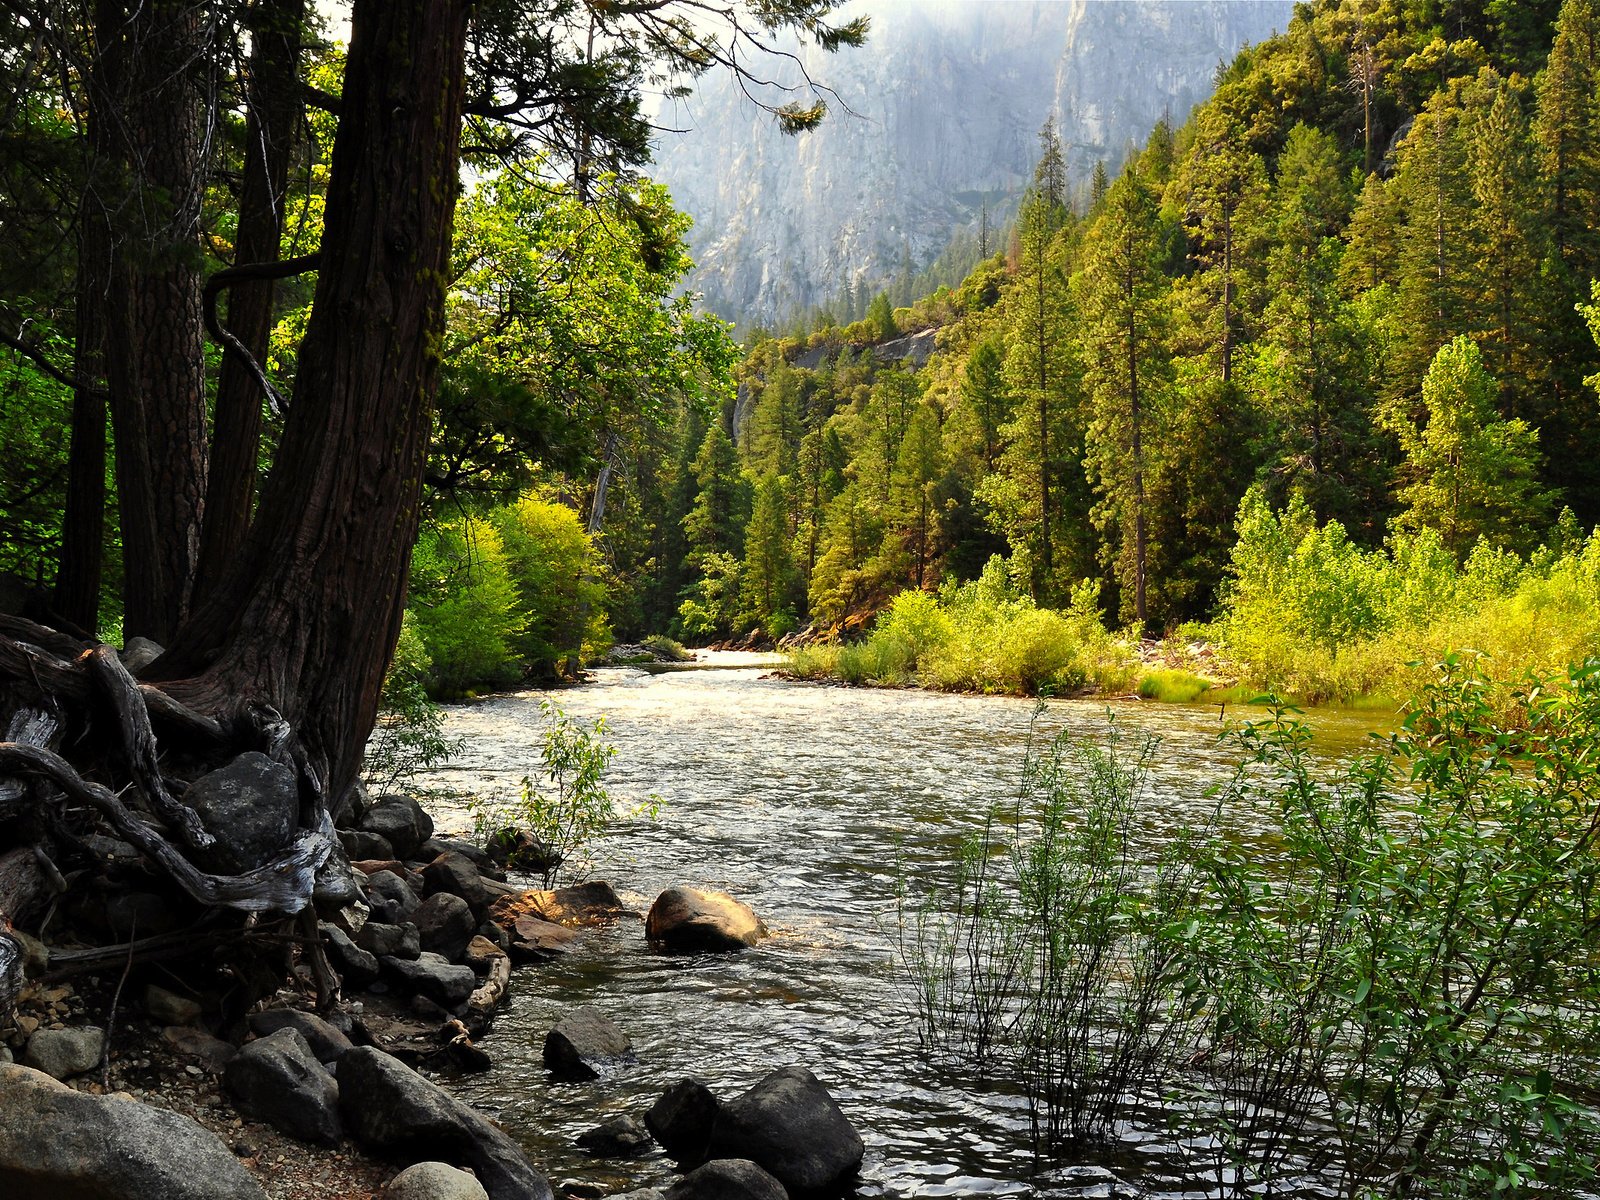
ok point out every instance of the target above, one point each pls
(690, 920)
(586, 904)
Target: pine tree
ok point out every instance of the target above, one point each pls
(1123, 323)
(983, 392)
(768, 576)
(917, 472)
(715, 521)
(1469, 473)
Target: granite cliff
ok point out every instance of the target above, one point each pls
(945, 105)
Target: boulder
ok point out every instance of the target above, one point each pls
(168, 1008)
(534, 940)
(689, 920)
(727, 1179)
(326, 1042)
(435, 846)
(790, 1125)
(682, 1118)
(395, 889)
(251, 806)
(400, 821)
(357, 967)
(445, 925)
(433, 977)
(621, 1137)
(586, 904)
(58, 1144)
(390, 941)
(389, 1107)
(277, 1079)
(63, 1053)
(433, 1181)
(584, 1044)
(359, 845)
(457, 874)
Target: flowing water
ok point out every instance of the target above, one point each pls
(811, 803)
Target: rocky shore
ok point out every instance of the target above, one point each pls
(137, 1082)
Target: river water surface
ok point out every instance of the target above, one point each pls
(811, 803)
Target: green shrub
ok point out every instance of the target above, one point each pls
(1171, 686)
(465, 606)
(557, 573)
(409, 736)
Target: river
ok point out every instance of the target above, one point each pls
(810, 803)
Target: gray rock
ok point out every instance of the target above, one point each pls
(455, 873)
(277, 1079)
(58, 1144)
(682, 1118)
(445, 924)
(436, 846)
(433, 1181)
(400, 821)
(250, 806)
(727, 1179)
(389, 941)
(584, 1044)
(63, 1053)
(433, 977)
(790, 1126)
(211, 1052)
(359, 845)
(138, 653)
(357, 967)
(690, 920)
(337, 894)
(621, 1137)
(389, 1107)
(326, 1042)
(395, 890)
(168, 1008)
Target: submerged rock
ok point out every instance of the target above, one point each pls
(621, 1137)
(690, 920)
(584, 1044)
(682, 1118)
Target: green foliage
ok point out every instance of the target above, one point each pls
(1384, 988)
(556, 570)
(409, 737)
(1309, 613)
(567, 806)
(465, 605)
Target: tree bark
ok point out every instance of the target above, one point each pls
(307, 615)
(274, 109)
(155, 350)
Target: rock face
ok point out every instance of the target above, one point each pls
(689, 920)
(584, 1044)
(57, 1144)
(727, 1179)
(790, 1126)
(277, 1079)
(389, 1107)
(250, 806)
(950, 97)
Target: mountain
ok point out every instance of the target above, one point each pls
(938, 115)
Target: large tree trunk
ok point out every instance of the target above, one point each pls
(153, 57)
(274, 110)
(307, 616)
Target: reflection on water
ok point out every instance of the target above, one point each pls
(808, 802)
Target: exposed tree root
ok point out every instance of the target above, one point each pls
(80, 736)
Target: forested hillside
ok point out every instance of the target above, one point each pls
(1351, 285)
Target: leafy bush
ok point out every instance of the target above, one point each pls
(557, 573)
(1310, 614)
(465, 606)
(567, 808)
